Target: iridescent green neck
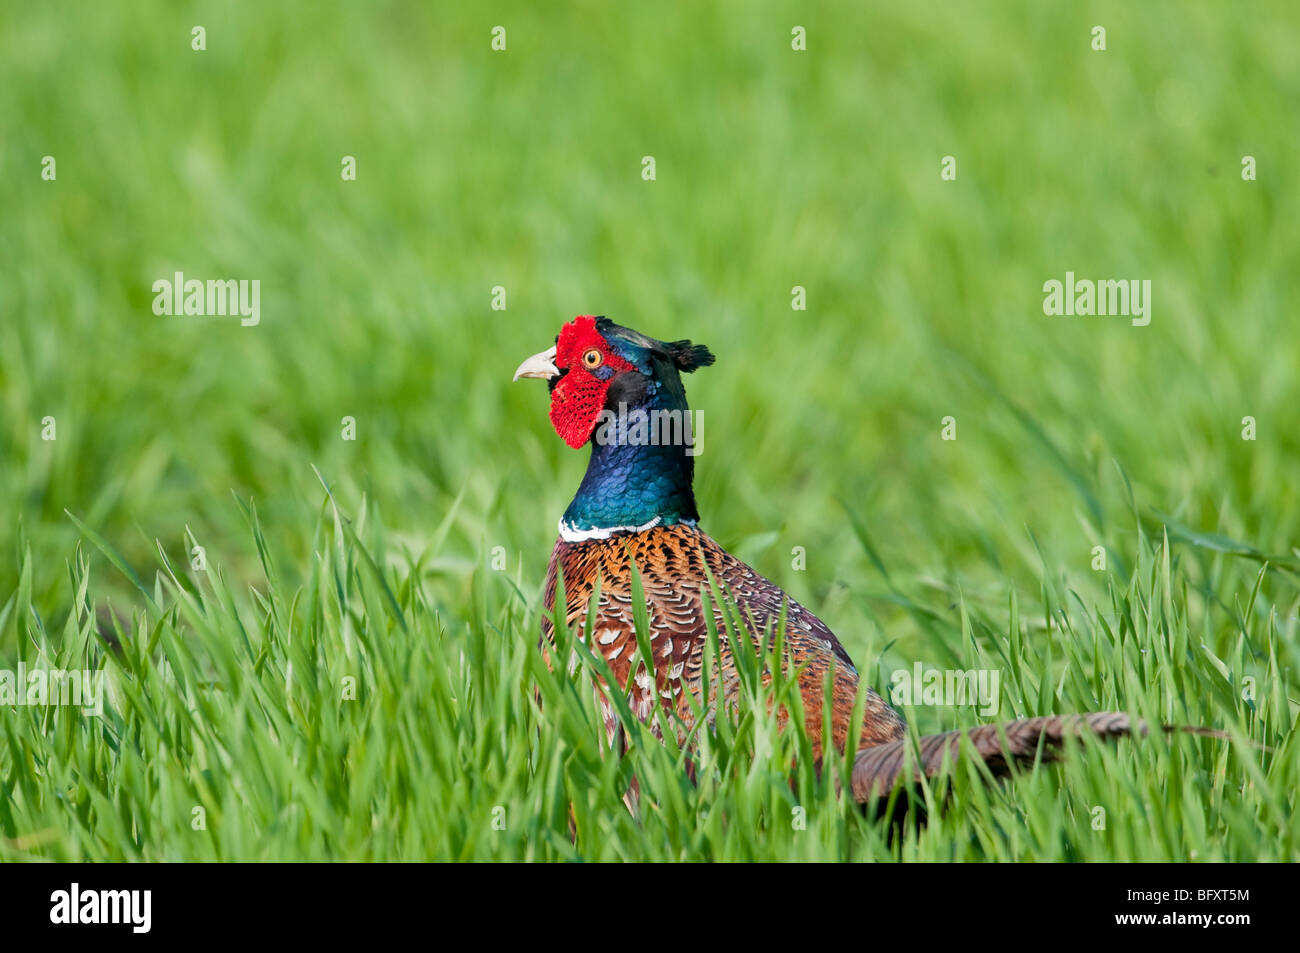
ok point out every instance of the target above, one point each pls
(639, 475)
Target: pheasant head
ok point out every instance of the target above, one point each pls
(621, 391)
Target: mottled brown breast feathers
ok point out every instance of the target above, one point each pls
(672, 562)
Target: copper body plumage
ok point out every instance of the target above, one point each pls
(675, 564)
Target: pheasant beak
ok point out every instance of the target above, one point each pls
(539, 365)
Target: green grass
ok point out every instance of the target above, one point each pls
(822, 427)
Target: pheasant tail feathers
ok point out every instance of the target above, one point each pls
(877, 769)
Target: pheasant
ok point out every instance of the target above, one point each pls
(619, 391)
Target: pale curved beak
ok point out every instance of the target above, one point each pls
(539, 365)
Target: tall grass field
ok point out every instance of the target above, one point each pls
(302, 556)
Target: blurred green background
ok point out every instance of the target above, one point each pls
(775, 168)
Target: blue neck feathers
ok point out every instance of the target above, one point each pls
(640, 472)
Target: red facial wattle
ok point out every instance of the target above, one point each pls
(579, 396)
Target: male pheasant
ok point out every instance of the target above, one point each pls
(619, 391)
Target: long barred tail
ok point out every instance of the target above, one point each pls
(876, 769)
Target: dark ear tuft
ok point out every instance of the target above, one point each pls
(688, 356)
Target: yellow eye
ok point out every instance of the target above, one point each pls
(592, 358)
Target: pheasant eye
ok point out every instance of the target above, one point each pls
(592, 358)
